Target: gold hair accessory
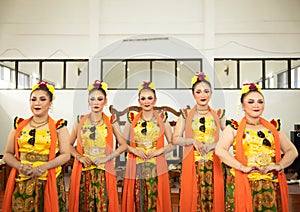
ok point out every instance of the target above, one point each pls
(146, 85)
(98, 84)
(200, 76)
(247, 87)
(44, 85)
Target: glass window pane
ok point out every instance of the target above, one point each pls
(277, 69)
(113, 73)
(250, 71)
(31, 70)
(138, 71)
(7, 79)
(163, 74)
(295, 74)
(77, 74)
(225, 74)
(53, 73)
(186, 71)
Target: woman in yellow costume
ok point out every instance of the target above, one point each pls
(36, 149)
(201, 176)
(256, 181)
(146, 183)
(93, 182)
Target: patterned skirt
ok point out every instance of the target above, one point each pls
(204, 175)
(265, 194)
(146, 183)
(29, 195)
(93, 194)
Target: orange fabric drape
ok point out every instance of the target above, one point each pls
(189, 193)
(50, 192)
(163, 201)
(243, 193)
(110, 176)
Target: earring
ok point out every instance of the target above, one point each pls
(51, 108)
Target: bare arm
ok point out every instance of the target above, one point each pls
(122, 146)
(86, 161)
(9, 153)
(64, 150)
(222, 150)
(178, 138)
(122, 143)
(167, 148)
(290, 153)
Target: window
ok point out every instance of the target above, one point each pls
(128, 74)
(271, 73)
(60, 73)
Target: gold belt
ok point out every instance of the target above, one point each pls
(33, 157)
(261, 159)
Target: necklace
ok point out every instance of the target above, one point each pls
(42, 122)
(149, 120)
(38, 125)
(97, 122)
(203, 112)
(253, 124)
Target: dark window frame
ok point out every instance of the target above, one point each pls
(151, 60)
(264, 78)
(41, 61)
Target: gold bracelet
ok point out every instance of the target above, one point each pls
(241, 167)
(110, 157)
(78, 156)
(21, 167)
(40, 170)
(281, 166)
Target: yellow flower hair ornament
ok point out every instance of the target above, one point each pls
(247, 87)
(146, 85)
(44, 85)
(98, 84)
(200, 76)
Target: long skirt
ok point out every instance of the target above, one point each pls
(204, 175)
(93, 193)
(29, 195)
(146, 191)
(265, 194)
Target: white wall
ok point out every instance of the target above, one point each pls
(82, 28)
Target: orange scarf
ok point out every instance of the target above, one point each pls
(110, 176)
(163, 201)
(50, 192)
(189, 192)
(243, 193)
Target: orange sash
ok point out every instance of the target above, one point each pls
(243, 193)
(110, 176)
(189, 192)
(163, 201)
(50, 192)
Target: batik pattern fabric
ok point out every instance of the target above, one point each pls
(29, 195)
(93, 194)
(259, 152)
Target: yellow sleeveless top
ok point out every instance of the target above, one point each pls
(37, 152)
